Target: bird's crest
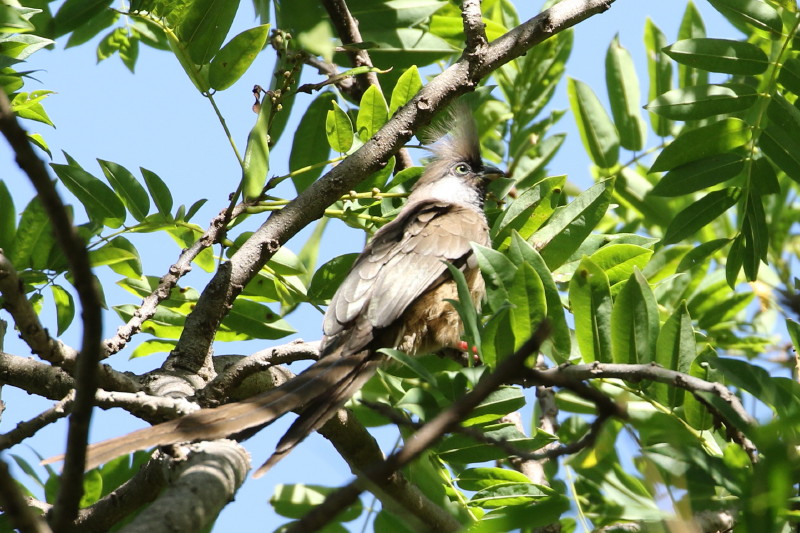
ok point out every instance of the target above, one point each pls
(456, 136)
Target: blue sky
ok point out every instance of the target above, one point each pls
(156, 119)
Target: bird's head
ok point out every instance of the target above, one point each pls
(456, 173)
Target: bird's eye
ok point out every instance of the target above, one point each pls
(461, 169)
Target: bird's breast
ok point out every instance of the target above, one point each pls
(431, 323)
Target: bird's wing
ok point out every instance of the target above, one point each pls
(405, 258)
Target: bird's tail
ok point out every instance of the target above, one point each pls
(317, 393)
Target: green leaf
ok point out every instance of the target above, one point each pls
(92, 488)
(510, 494)
(29, 105)
(65, 308)
(528, 211)
(634, 322)
(159, 191)
(100, 202)
(120, 255)
(558, 345)
(755, 13)
(12, 21)
(90, 27)
(74, 13)
(703, 101)
(716, 138)
(789, 75)
(496, 405)
(165, 323)
(498, 272)
(310, 144)
(475, 479)
(372, 113)
(624, 96)
(339, 129)
(469, 314)
(699, 174)
(700, 213)
(251, 320)
(675, 350)
(618, 261)
(528, 304)
(536, 514)
(570, 225)
(659, 69)
(590, 302)
(329, 276)
(34, 239)
(119, 41)
(256, 156)
(412, 364)
(150, 347)
(201, 26)
(782, 149)
(402, 47)
(236, 56)
(407, 86)
(8, 221)
(599, 136)
(129, 189)
(720, 55)
(295, 501)
(691, 27)
(695, 412)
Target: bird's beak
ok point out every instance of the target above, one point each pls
(491, 172)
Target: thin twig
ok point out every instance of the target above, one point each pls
(29, 428)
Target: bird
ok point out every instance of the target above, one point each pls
(395, 296)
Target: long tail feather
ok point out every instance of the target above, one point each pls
(320, 380)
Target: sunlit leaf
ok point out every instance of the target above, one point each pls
(624, 96)
(598, 133)
(719, 55)
(590, 302)
(236, 56)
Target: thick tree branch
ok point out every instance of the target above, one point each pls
(77, 255)
(139, 490)
(201, 485)
(195, 342)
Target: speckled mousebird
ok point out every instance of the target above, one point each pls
(394, 296)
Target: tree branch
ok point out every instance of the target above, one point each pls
(27, 320)
(29, 428)
(77, 255)
(566, 374)
(203, 483)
